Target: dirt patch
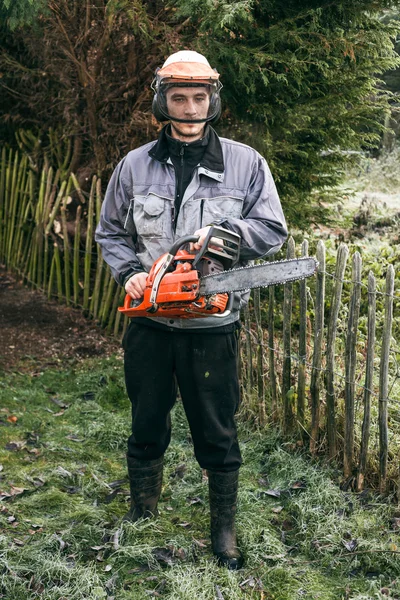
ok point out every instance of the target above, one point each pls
(36, 333)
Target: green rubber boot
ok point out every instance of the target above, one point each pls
(145, 478)
(223, 489)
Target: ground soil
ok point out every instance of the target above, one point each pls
(37, 333)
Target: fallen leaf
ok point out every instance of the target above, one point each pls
(298, 485)
(11, 519)
(273, 556)
(33, 531)
(351, 545)
(117, 483)
(165, 555)
(201, 543)
(15, 446)
(59, 403)
(34, 451)
(63, 472)
(18, 542)
(395, 523)
(195, 500)
(273, 493)
(73, 437)
(12, 419)
(252, 582)
(37, 481)
(15, 491)
(108, 567)
(179, 471)
(110, 497)
(59, 414)
(277, 509)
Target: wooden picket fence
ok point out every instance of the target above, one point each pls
(47, 237)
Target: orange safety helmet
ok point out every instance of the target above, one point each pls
(186, 69)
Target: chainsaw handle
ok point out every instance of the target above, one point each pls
(181, 242)
(128, 302)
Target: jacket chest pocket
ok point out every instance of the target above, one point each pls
(152, 215)
(220, 207)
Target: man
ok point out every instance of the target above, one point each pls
(179, 185)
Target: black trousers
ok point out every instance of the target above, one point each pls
(204, 366)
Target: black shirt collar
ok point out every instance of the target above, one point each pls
(212, 159)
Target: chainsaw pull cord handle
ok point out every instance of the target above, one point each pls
(165, 266)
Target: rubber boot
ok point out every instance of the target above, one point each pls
(145, 478)
(223, 493)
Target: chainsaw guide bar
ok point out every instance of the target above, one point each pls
(242, 279)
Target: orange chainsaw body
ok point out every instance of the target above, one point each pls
(178, 293)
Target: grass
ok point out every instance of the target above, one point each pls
(62, 536)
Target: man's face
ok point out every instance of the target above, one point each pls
(187, 103)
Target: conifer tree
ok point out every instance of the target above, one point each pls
(301, 82)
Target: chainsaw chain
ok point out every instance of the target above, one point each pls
(255, 287)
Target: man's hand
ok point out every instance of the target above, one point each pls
(203, 234)
(136, 285)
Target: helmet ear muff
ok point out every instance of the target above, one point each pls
(156, 110)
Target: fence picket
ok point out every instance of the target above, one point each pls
(383, 380)
(316, 373)
(287, 332)
(271, 354)
(369, 372)
(350, 367)
(301, 383)
(260, 358)
(341, 260)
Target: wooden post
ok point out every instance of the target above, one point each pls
(57, 264)
(89, 240)
(341, 260)
(67, 277)
(249, 354)
(75, 268)
(287, 326)
(383, 380)
(301, 383)
(369, 372)
(108, 299)
(316, 374)
(3, 169)
(119, 314)
(350, 367)
(260, 358)
(94, 303)
(271, 354)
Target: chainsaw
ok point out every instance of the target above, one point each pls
(185, 285)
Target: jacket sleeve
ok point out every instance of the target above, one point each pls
(262, 226)
(113, 233)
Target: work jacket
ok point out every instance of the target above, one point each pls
(231, 187)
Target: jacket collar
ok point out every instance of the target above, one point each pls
(212, 163)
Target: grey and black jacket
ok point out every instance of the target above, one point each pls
(232, 187)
